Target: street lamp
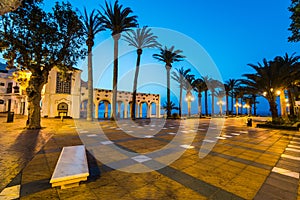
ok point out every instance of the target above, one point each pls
(189, 98)
(248, 108)
(220, 103)
(237, 105)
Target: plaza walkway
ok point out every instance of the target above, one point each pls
(239, 163)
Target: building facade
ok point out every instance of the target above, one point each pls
(66, 95)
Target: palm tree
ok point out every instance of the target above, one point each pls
(199, 86)
(212, 86)
(227, 91)
(116, 19)
(206, 81)
(169, 106)
(232, 84)
(239, 94)
(92, 26)
(180, 76)
(140, 39)
(169, 56)
(267, 79)
(291, 65)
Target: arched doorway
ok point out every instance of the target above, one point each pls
(62, 109)
(143, 110)
(104, 109)
(153, 111)
(120, 109)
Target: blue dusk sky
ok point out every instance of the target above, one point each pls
(224, 35)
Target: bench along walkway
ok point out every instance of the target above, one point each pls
(71, 167)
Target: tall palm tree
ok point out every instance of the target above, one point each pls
(140, 39)
(232, 84)
(92, 26)
(206, 81)
(227, 91)
(199, 86)
(291, 65)
(169, 56)
(212, 86)
(117, 19)
(267, 79)
(239, 94)
(180, 76)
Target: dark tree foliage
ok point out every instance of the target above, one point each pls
(35, 40)
(295, 24)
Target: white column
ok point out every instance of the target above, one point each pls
(96, 110)
(106, 109)
(141, 110)
(125, 110)
(158, 109)
(148, 110)
(119, 109)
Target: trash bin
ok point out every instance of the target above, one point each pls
(249, 122)
(10, 116)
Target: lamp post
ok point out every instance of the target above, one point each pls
(189, 98)
(220, 103)
(237, 105)
(247, 106)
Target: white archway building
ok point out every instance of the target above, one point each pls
(124, 103)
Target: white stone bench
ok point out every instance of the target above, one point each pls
(71, 167)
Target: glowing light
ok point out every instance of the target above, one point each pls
(278, 92)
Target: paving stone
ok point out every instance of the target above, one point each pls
(274, 191)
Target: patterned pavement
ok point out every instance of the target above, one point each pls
(157, 159)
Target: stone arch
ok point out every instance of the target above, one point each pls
(153, 109)
(144, 109)
(83, 108)
(121, 109)
(104, 108)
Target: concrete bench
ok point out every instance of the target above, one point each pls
(71, 167)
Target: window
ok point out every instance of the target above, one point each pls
(2, 84)
(63, 86)
(9, 88)
(1, 101)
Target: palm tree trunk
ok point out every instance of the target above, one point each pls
(291, 102)
(168, 91)
(180, 100)
(115, 77)
(212, 104)
(199, 104)
(227, 107)
(139, 52)
(241, 106)
(206, 104)
(236, 106)
(90, 85)
(254, 105)
(232, 104)
(273, 110)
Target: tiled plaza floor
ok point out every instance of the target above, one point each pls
(156, 159)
